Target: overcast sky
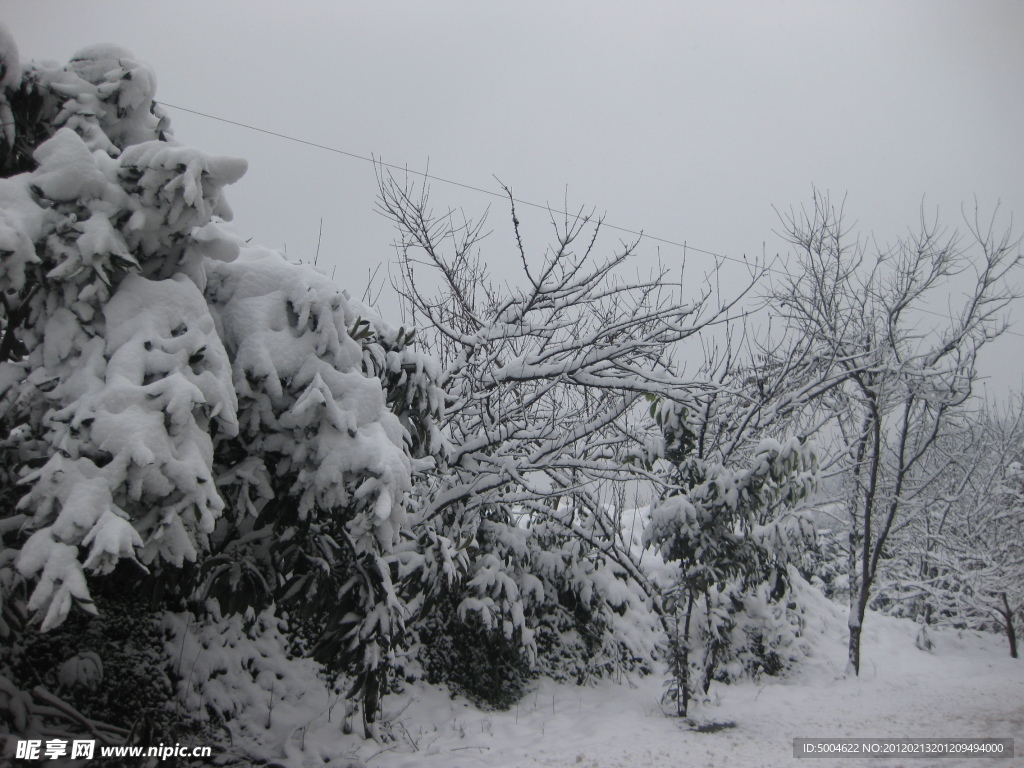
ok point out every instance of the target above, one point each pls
(687, 120)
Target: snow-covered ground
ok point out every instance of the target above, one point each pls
(967, 686)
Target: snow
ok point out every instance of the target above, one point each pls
(61, 580)
(15, 237)
(124, 88)
(10, 79)
(176, 190)
(302, 392)
(144, 398)
(967, 686)
(67, 170)
(10, 63)
(83, 669)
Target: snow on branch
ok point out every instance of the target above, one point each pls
(546, 375)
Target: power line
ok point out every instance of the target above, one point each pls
(463, 185)
(375, 161)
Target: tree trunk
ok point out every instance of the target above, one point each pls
(858, 607)
(683, 702)
(855, 648)
(1011, 633)
(683, 694)
(853, 620)
(371, 702)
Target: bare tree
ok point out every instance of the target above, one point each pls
(902, 368)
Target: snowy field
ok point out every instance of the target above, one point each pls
(967, 686)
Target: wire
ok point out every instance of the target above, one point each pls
(443, 180)
(376, 161)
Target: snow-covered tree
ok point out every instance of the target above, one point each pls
(898, 373)
(550, 386)
(181, 411)
(731, 528)
(959, 559)
(546, 385)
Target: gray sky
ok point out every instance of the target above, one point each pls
(687, 120)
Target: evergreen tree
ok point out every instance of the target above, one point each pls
(181, 411)
(725, 527)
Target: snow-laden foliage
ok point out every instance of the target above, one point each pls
(536, 599)
(304, 399)
(334, 410)
(112, 668)
(185, 415)
(104, 94)
(118, 377)
(732, 531)
(230, 670)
